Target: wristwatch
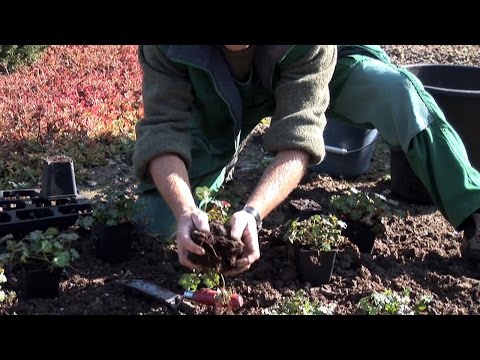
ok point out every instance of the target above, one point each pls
(255, 214)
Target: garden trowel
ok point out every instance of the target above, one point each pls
(174, 300)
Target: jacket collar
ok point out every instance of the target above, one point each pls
(209, 58)
(266, 57)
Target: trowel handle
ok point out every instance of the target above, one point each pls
(209, 297)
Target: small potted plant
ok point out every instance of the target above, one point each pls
(41, 256)
(315, 241)
(112, 224)
(364, 213)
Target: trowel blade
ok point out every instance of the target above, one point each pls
(148, 288)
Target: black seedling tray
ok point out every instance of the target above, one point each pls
(23, 211)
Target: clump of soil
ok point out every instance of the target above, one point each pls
(221, 251)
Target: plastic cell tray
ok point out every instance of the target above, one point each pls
(23, 211)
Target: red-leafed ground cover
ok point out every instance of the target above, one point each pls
(71, 88)
(68, 98)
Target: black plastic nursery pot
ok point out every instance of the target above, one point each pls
(43, 284)
(361, 235)
(58, 178)
(456, 89)
(404, 183)
(314, 266)
(113, 244)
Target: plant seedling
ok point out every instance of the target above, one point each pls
(390, 302)
(114, 208)
(211, 280)
(300, 304)
(49, 249)
(362, 207)
(318, 232)
(216, 209)
(191, 281)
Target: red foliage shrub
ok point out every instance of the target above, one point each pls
(89, 90)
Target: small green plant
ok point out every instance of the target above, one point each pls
(191, 281)
(49, 249)
(113, 208)
(422, 306)
(211, 280)
(390, 302)
(361, 206)
(318, 231)
(216, 209)
(13, 56)
(84, 222)
(300, 304)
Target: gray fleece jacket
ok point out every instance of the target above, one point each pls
(195, 108)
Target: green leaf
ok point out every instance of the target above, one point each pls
(210, 279)
(47, 246)
(203, 193)
(35, 235)
(68, 236)
(111, 222)
(51, 231)
(4, 257)
(62, 260)
(74, 254)
(189, 281)
(85, 222)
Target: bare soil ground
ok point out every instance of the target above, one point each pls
(419, 250)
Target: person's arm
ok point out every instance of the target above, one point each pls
(167, 101)
(295, 137)
(162, 149)
(171, 178)
(277, 182)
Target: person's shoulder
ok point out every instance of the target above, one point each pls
(157, 56)
(305, 53)
(162, 48)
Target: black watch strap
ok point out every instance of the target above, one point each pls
(255, 214)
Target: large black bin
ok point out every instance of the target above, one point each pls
(456, 89)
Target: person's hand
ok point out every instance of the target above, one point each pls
(195, 220)
(244, 228)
